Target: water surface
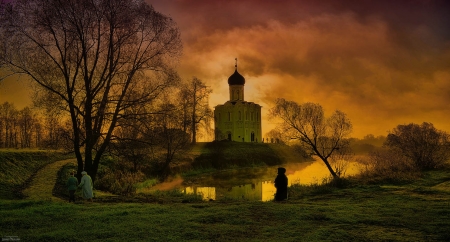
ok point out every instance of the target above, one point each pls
(252, 183)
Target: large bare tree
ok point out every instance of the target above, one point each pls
(324, 137)
(96, 57)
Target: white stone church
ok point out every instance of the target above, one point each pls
(237, 119)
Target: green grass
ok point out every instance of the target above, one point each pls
(417, 211)
(18, 166)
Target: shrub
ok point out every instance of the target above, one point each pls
(386, 164)
(327, 186)
(118, 182)
(425, 145)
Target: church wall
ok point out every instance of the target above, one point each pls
(240, 120)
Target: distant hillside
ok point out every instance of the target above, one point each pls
(228, 154)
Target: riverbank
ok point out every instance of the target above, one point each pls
(417, 211)
(227, 154)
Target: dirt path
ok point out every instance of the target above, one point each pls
(41, 186)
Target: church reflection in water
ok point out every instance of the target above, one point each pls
(260, 191)
(301, 173)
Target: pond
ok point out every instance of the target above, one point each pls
(252, 183)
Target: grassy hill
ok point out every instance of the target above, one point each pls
(225, 154)
(18, 166)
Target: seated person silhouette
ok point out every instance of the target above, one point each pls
(281, 183)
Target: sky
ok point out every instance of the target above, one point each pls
(383, 63)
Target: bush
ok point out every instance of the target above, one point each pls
(327, 186)
(386, 164)
(425, 145)
(118, 182)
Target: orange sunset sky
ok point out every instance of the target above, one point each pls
(382, 62)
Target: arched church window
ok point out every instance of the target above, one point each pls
(239, 115)
(246, 115)
(251, 116)
(229, 116)
(238, 94)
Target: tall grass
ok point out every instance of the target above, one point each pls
(388, 167)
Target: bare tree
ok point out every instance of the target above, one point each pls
(169, 137)
(26, 120)
(10, 125)
(19, 128)
(196, 105)
(324, 137)
(98, 58)
(277, 136)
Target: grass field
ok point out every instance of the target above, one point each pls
(417, 210)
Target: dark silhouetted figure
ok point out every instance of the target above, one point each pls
(72, 184)
(281, 183)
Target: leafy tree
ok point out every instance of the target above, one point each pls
(96, 58)
(324, 137)
(425, 145)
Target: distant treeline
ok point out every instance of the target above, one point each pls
(26, 128)
(367, 144)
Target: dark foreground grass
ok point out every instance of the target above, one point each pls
(355, 213)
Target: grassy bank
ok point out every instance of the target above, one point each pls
(18, 166)
(416, 211)
(226, 155)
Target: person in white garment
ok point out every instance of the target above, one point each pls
(86, 186)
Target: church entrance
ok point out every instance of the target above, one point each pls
(253, 137)
(229, 136)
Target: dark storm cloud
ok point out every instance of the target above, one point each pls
(382, 62)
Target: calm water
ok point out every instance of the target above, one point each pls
(252, 183)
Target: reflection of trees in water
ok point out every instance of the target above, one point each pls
(236, 185)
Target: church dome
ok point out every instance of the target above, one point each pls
(236, 79)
